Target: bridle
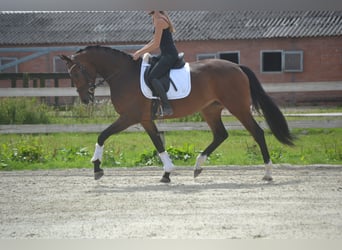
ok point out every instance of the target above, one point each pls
(91, 85)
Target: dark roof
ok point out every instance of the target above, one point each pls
(115, 27)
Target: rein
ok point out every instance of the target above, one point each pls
(94, 85)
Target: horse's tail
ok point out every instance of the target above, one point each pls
(274, 117)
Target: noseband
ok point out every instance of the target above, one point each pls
(91, 85)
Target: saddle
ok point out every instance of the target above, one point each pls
(166, 79)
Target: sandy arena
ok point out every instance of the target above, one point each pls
(303, 202)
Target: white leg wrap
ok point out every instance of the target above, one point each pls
(98, 153)
(167, 163)
(268, 169)
(200, 160)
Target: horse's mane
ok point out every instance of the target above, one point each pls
(106, 49)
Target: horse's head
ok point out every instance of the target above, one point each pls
(83, 76)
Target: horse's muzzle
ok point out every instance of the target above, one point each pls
(88, 98)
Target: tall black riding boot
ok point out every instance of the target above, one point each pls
(159, 89)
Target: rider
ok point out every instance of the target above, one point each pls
(162, 39)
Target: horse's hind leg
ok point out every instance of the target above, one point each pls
(212, 115)
(252, 126)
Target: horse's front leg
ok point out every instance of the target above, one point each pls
(119, 125)
(167, 165)
(153, 132)
(96, 160)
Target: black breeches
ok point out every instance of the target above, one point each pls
(164, 64)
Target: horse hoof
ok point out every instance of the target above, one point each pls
(165, 178)
(267, 178)
(98, 174)
(197, 172)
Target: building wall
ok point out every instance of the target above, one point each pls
(322, 57)
(322, 61)
(41, 64)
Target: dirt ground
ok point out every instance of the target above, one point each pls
(303, 202)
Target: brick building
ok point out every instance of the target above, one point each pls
(279, 46)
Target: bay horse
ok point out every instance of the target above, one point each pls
(216, 84)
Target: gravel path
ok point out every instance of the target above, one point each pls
(231, 202)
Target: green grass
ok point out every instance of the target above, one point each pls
(27, 110)
(19, 152)
(315, 146)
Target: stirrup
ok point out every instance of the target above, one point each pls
(162, 113)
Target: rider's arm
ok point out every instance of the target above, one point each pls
(159, 25)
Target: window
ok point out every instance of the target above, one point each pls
(205, 56)
(281, 61)
(59, 65)
(6, 60)
(271, 61)
(293, 61)
(233, 56)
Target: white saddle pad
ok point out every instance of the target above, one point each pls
(181, 78)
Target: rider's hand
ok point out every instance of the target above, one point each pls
(136, 56)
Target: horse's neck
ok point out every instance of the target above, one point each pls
(113, 66)
(105, 64)
(106, 60)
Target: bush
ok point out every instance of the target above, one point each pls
(180, 155)
(23, 111)
(29, 150)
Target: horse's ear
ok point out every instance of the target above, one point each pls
(65, 58)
